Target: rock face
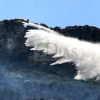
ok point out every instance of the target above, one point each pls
(14, 54)
(11, 40)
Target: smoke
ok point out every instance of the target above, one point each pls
(84, 55)
(10, 44)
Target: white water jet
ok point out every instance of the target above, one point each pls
(84, 55)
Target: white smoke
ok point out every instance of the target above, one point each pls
(84, 55)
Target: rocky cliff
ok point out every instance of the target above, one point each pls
(15, 56)
(13, 52)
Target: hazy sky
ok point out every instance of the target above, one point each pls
(53, 12)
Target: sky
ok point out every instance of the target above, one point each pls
(53, 13)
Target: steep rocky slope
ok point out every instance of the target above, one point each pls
(14, 53)
(19, 62)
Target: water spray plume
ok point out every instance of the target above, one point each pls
(84, 55)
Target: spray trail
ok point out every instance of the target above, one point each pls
(84, 55)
